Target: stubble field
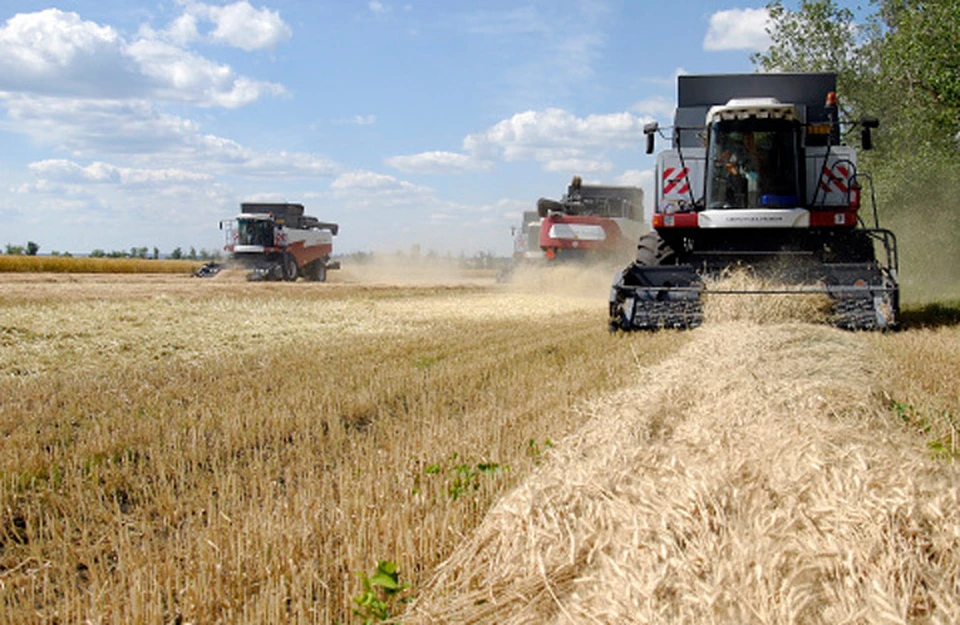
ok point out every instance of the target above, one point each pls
(186, 450)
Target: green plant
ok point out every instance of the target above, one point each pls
(465, 478)
(535, 450)
(381, 593)
(916, 419)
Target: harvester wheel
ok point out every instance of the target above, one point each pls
(316, 271)
(290, 268)
(653, 251)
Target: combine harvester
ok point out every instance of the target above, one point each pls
(279, 242)
(757, 178)
(590, 224)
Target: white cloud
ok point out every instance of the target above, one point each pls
(738, 29)
(238, 25)
(372, 182)
(282, 164)
(86, 127)
(65, 171)
(181, 31)
(657, 106)
(636, 178)
(540, 134)
(437, 162)
(555, 138)
(554, 135)
(178, 74)
(58, 53)
(55, 53)
(377, 8)
(579, 165)
(242, 26)
(135, 131)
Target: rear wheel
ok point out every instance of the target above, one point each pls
(316, 271)
(320, 271)
(290, 269)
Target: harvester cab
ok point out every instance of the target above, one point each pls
(757, 177)
(278, 242)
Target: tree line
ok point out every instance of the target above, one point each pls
(32, 249)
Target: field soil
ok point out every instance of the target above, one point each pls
(210, 450)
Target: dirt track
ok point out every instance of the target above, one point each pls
(756, 476)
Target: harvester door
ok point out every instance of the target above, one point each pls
(679, 181)
(828, 181)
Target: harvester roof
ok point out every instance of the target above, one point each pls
(697, 94)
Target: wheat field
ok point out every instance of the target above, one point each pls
(11, 263)
(178, 450)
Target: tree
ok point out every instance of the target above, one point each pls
(156, 253)
(903, 66)
(819, 37)
(193, 254)
(32, 248)
(920, 52)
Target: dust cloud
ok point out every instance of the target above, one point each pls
(589, 281)
(399, 270)
(925, 217)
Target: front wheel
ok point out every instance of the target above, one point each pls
(653, 251)
(290, 269)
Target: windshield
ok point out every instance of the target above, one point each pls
(753, 164)
(255, 232)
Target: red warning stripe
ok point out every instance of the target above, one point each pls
(838, 175)
(670, 182)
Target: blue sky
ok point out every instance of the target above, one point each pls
(141, 124)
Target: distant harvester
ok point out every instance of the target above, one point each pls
(276, 241)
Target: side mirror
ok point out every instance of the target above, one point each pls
(866, 124)
(650, 130)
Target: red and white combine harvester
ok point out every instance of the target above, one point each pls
(279, 242)
(758, 177)
(591, 223)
